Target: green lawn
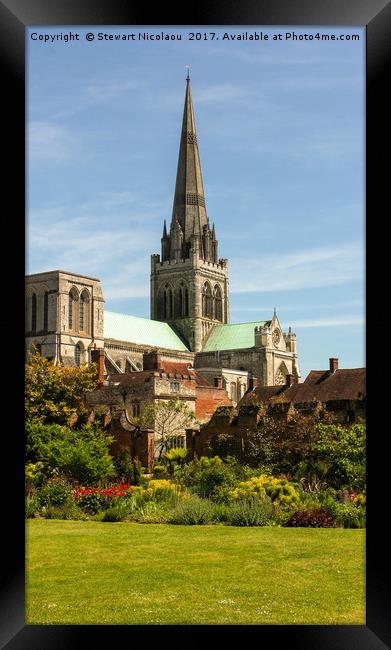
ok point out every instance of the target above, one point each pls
(125, 573)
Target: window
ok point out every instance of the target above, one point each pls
(207, 301)
(77, 354)
(186, 305)
(72, 298)
(176, 442)
(168, 303)
(174, 386)
(179, 306)
(136, 409)
(218, 303)
(34, 312)
(45, 310)
(81, 312)
(233, 392)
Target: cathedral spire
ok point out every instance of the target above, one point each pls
(189, 200)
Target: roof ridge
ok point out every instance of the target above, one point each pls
(247, 322)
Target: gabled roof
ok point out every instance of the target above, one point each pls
(141, 331)
(320, 385)
(232, 336)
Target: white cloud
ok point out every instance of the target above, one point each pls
(318, 267)
(50, 143)
(326, 322)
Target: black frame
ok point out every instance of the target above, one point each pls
(15, 16)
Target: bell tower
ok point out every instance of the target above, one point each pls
(189, 282)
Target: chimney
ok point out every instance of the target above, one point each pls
(289, 380)
(218, 382)
(98, 357)
(333, 364)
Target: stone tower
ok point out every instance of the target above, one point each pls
(189, 283)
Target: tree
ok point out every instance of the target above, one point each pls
(80, 455)
(342, 449)
(168, 420)
(55, 394)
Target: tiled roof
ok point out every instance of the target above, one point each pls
(232, 336)
(321, 385)
(175, 370)
(142, 331)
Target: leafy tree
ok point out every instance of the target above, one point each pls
(342, 449)
(81, 455)
(173, 458)
(279, 447)
(127, 469)
(55, 394)
(168, 420)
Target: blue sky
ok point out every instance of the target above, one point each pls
(280, 128)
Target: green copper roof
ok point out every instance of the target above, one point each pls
(231, 337)
(133, 329)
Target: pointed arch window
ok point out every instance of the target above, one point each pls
(81, 312)
(72, 300)
(168, 302)
(84, 313)
(218, 311)
(77, 354)
(179, 303)
(186, 303)
(45, 310)
(207, 301)
(34, 312)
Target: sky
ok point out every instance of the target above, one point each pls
(280, 127)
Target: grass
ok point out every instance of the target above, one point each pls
(126, 573)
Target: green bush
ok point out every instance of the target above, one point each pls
(151, 513)
(343, 450)
(127, 469)
(115, 513)
(66, 511)
(349, 515)
(32, 507)
(159, 471)
(209, 478)
(279, 490)
(251, 511)
(193, 511)
(93, 502)
(56, 492)
(81, 455)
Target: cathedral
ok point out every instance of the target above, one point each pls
(189, 334)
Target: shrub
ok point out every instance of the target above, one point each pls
(127, 469)
(117, 512)
(193, 511)
(159, 471)
(251, 511)
(92, 501)
(56, 492)
(81, 455)
(349, 515)
(174, 458)
(67, 511)
(279, 490)
(32, 507)
(342, 449)
(312, 517)
(151, 513)
(35, 473)
(209, 478)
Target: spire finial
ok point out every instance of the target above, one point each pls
(275, 313)
(188, 72)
